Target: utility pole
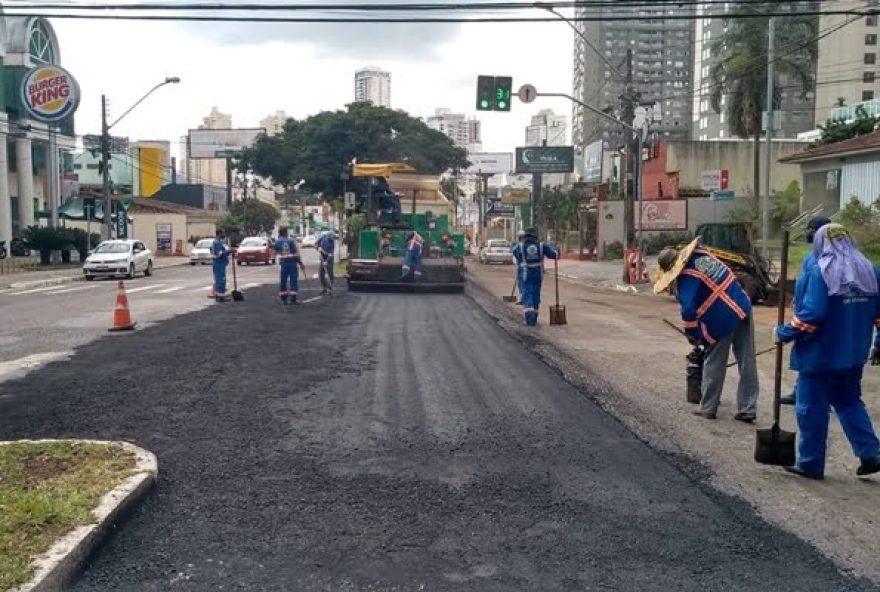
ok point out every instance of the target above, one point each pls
(768, 157)
(628, 116)
(228, 182)
(174, 170)
(105, 171)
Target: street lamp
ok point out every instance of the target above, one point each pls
(105, 147)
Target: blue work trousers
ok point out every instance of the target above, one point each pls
(288, 288)
(816, 393)
(519, 281)
(530, 290)
(219, 269)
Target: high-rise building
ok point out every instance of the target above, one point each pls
(464, 132)
(210, 171)
(659, 52)
(848, 58)
(274, 124)
(795, 114)
(547, 126)
(373, 85)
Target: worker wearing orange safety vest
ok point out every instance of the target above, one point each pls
(717, 315)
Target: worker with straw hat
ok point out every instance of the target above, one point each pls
(717, 315)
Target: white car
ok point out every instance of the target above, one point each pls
(118, 258)
(310, 240)
(201, 252)
(496, 251)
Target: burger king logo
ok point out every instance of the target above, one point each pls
(49, 93)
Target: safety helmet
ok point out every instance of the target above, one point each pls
(532, 232)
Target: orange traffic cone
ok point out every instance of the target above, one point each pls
(121, 315)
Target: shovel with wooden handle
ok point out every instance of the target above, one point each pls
(512, 298)
(775, 446)
(557, 313)
(237, 296)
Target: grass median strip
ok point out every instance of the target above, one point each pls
(46, 490)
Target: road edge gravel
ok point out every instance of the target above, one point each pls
(64, 561)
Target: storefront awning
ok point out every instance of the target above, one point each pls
(381, 170)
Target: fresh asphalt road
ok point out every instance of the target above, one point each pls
(46, 323)
(386, 442)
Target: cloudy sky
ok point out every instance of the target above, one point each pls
(250, 70)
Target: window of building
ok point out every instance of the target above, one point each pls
(871, 20)
(867, 95)
(92, 167)
(77, 167)
(868, 77)
(870, 58)
(41, 49)
(871, 39)
(721, 134)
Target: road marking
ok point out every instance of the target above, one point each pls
(312, 299)
(169, 290)
(249, 286)
(142, 288)
(35, 290)
(69, 290)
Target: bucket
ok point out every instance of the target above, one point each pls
(694, 375)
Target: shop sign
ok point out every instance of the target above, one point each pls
(49, 93)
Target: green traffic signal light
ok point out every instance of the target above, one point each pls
(503, 86)
(485, 93)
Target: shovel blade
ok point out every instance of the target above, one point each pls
(237, 296)
(557, 315)
(775, 447)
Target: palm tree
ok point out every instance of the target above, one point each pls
(741, 73)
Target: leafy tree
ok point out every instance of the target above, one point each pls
(785, 205)
(558, 209)
(837, 131)
(318, 149)
(255, 216)
(741, 73)
(353, 228)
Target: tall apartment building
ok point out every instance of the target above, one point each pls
(662, 67)
(374, 85)
(547, 125)
(464, 132)
(208, 171)
(848, 59)
(795, 114)
(274, 124)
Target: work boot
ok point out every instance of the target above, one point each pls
(704, 414)
(787, 400)
(796, 470)
(869, 467)
(745, 417)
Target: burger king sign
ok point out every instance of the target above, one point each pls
(49, 93)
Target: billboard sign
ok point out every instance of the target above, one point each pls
(715, 180)
(490, 163)
(593, 157)
(164, 237)
(545, 159)
(496, 208)
(221, 143)
(662, 214)
(49, 93)
(512, 196)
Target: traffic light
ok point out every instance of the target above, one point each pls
(503, 86)
(485, 93)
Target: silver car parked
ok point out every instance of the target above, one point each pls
(496, 251)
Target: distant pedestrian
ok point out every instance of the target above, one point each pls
(220, 255)
(516, 251)
(532, 273)
(412, 259)
(717, 315)
(835, 311)
(288, 259)
(813, 225)
(326, 246)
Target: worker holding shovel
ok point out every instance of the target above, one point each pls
(717, 314)
(516, 251)
(835, 311)
(288, 259)
(532, 272)
(326, 246)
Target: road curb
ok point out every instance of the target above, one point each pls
(62, 564)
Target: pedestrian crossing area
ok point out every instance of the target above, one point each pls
(133, 288)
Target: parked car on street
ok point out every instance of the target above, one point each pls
(119, 258)
(255, 249)
(496, 251)
(310, 240)
(201, 252)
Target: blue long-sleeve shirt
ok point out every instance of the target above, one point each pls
(220, 252)
(829, 332)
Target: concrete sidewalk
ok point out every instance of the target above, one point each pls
(36, 279)
(621, 340)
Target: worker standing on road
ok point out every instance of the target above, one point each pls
(717, 315)
(220, 254)
(288, 259)
(326, 246)
(412, 259)
(516, 251)
(836, 309)
(532, 273)
(813, 225)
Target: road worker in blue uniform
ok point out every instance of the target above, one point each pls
(835, 312)
(516, 251)
(813, 225)
(220, 254)
(288, 260)
(412, 258)
(533, 253)
(717, 315)
(326, 247)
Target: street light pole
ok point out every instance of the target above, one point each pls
(105, 151)
(768, 157)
